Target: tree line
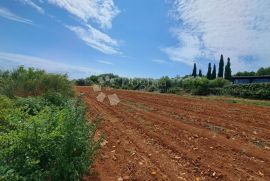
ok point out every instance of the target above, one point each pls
(217, 81)
(260, 72)
(223, 72)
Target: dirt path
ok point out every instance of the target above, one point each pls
(167, 137)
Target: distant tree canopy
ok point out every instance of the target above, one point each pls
(245, 73)
(96, 79)
(262, 71)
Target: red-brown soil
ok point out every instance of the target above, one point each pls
(167, 137)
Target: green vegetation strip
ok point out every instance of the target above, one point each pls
(45, 137)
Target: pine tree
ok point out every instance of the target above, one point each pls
(200, 73)
(221, 67)
(214, 73)
(228, 71)
(194, 72)
(209, 71)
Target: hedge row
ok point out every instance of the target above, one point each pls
(253, 91)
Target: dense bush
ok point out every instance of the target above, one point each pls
(174, 90)
(81, 82)
(31, 82)
(44, 139)
(196, 86)
(151, 88)
(164, 84)
(203, 86)
(219, 83)
(256, 91)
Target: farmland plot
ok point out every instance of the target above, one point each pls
(166, 137)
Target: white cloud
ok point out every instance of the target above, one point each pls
(104, 62)
(96, 39)
(33, 5)
(159, 61)
(48, 65)
(89, 12)
(101, 11)
(5, 13)
(238, 29)
(187, 51)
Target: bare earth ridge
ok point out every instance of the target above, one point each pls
(167, 137)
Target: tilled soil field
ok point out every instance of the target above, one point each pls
(167, 137)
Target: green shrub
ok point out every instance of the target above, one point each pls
(6, 109)
(174, 90)
(55, 98)
(164, 84)
(254, 91)
(32, 82)
(219, 83)
(151, 88)
(80, 82)
(196, 86)
(40, 140)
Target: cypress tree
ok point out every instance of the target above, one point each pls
(194, 72)
(228, 71)
(209, 71)
(221, 67)
(200, 73)
(214, 73)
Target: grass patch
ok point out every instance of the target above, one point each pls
(248, 102)
(231, 100)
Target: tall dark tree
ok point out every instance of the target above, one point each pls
(194, 72)
(209, 72)
(221, 67)
(200, 73)
(228, 70)
(214, 73)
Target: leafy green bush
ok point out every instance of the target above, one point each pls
(255, 91)
(40, 140)
(31, 82)
(196, 86)
(164, 84)
(151, 88)
(55, 98)
(174, 90)
(219, 83)
(6, 109)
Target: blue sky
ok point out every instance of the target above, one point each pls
(141, 38)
